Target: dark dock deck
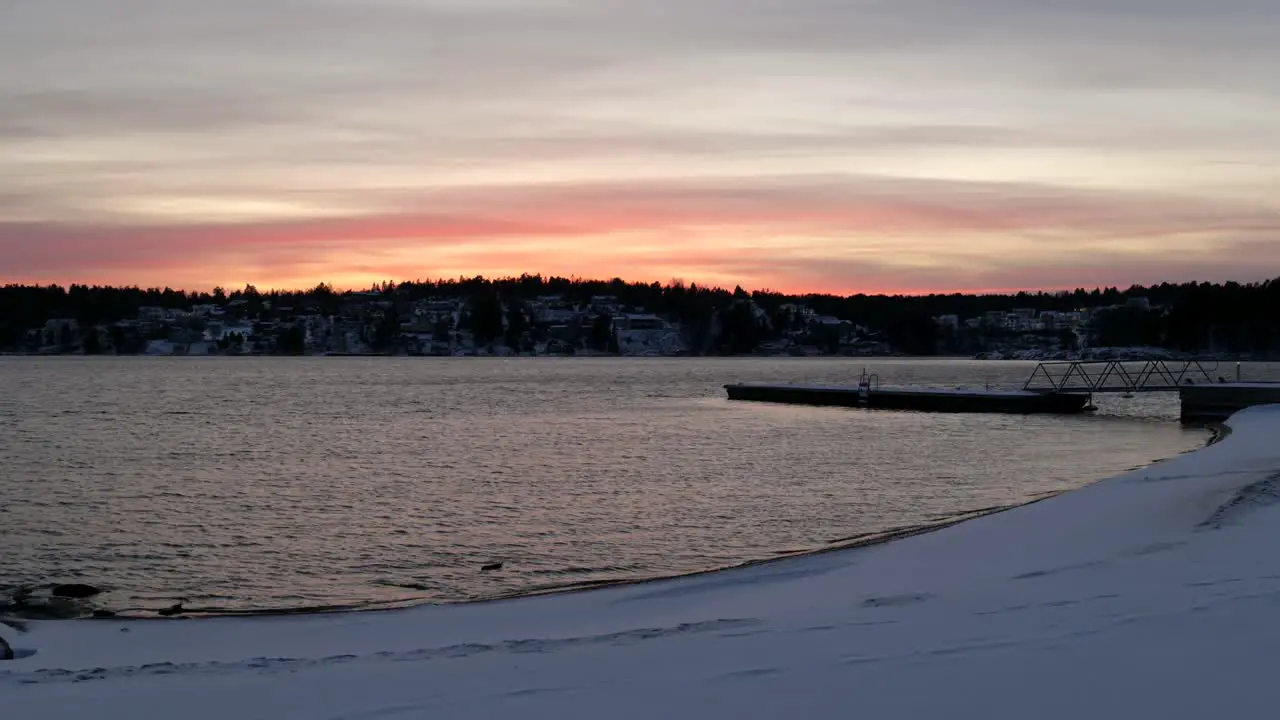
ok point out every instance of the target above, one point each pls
(1214, 403)
(1022, 402)
(1057, 387)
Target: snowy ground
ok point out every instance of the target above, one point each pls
(1150, 595)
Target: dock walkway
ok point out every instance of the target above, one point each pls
(923, 399)
(1062, 388)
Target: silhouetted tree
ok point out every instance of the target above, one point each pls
(517, 324)
(66, 338)
(601, 335)
(291, 340)
(117, 339)
(442, 330)
(913, 332)
(486, 317)
(91, 344)
(387, 332)
(1068, 340)
(740, 330)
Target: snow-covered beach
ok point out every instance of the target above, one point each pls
(1151, 594)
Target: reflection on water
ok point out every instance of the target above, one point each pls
(274, 483)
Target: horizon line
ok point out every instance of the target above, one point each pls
(908, 293)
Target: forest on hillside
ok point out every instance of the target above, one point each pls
(1241, 318)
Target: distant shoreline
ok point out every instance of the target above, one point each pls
(592, 355)
(595, 355)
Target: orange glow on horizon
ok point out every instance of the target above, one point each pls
(793, 245)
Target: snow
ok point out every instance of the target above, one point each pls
(1152, 594)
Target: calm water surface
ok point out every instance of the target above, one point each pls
(239, 483)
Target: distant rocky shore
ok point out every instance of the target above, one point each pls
(1112, 353)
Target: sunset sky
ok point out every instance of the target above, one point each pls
(825, 145)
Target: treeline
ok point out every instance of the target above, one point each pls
(1198, 317)
(1192, 317)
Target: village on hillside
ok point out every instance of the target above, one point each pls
(374, 323)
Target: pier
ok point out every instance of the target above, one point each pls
(869, 394)
(1121, 376)
(923, 399)
(1059, 387)
(1205, 394)
(1216, 403)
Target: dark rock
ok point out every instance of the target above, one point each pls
(491, 566)
(74, 590)
(6, 650)
(103, 614)
(172, 610)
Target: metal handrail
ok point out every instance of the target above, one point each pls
(1120, 375)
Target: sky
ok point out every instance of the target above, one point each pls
(798, 145)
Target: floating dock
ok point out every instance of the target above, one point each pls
(1024, 402)
(1060, 388)
(1214, 403)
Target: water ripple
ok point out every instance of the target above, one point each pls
(248, 483)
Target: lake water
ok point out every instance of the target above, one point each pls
(251, 483)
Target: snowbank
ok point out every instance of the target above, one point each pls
(1153, 594)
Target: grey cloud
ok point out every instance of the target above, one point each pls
(202, 63)
(871, 204)
(325, 85)
(62, 113)
(426, 42)
(1089, 273)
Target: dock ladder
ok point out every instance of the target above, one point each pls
(867, 383)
